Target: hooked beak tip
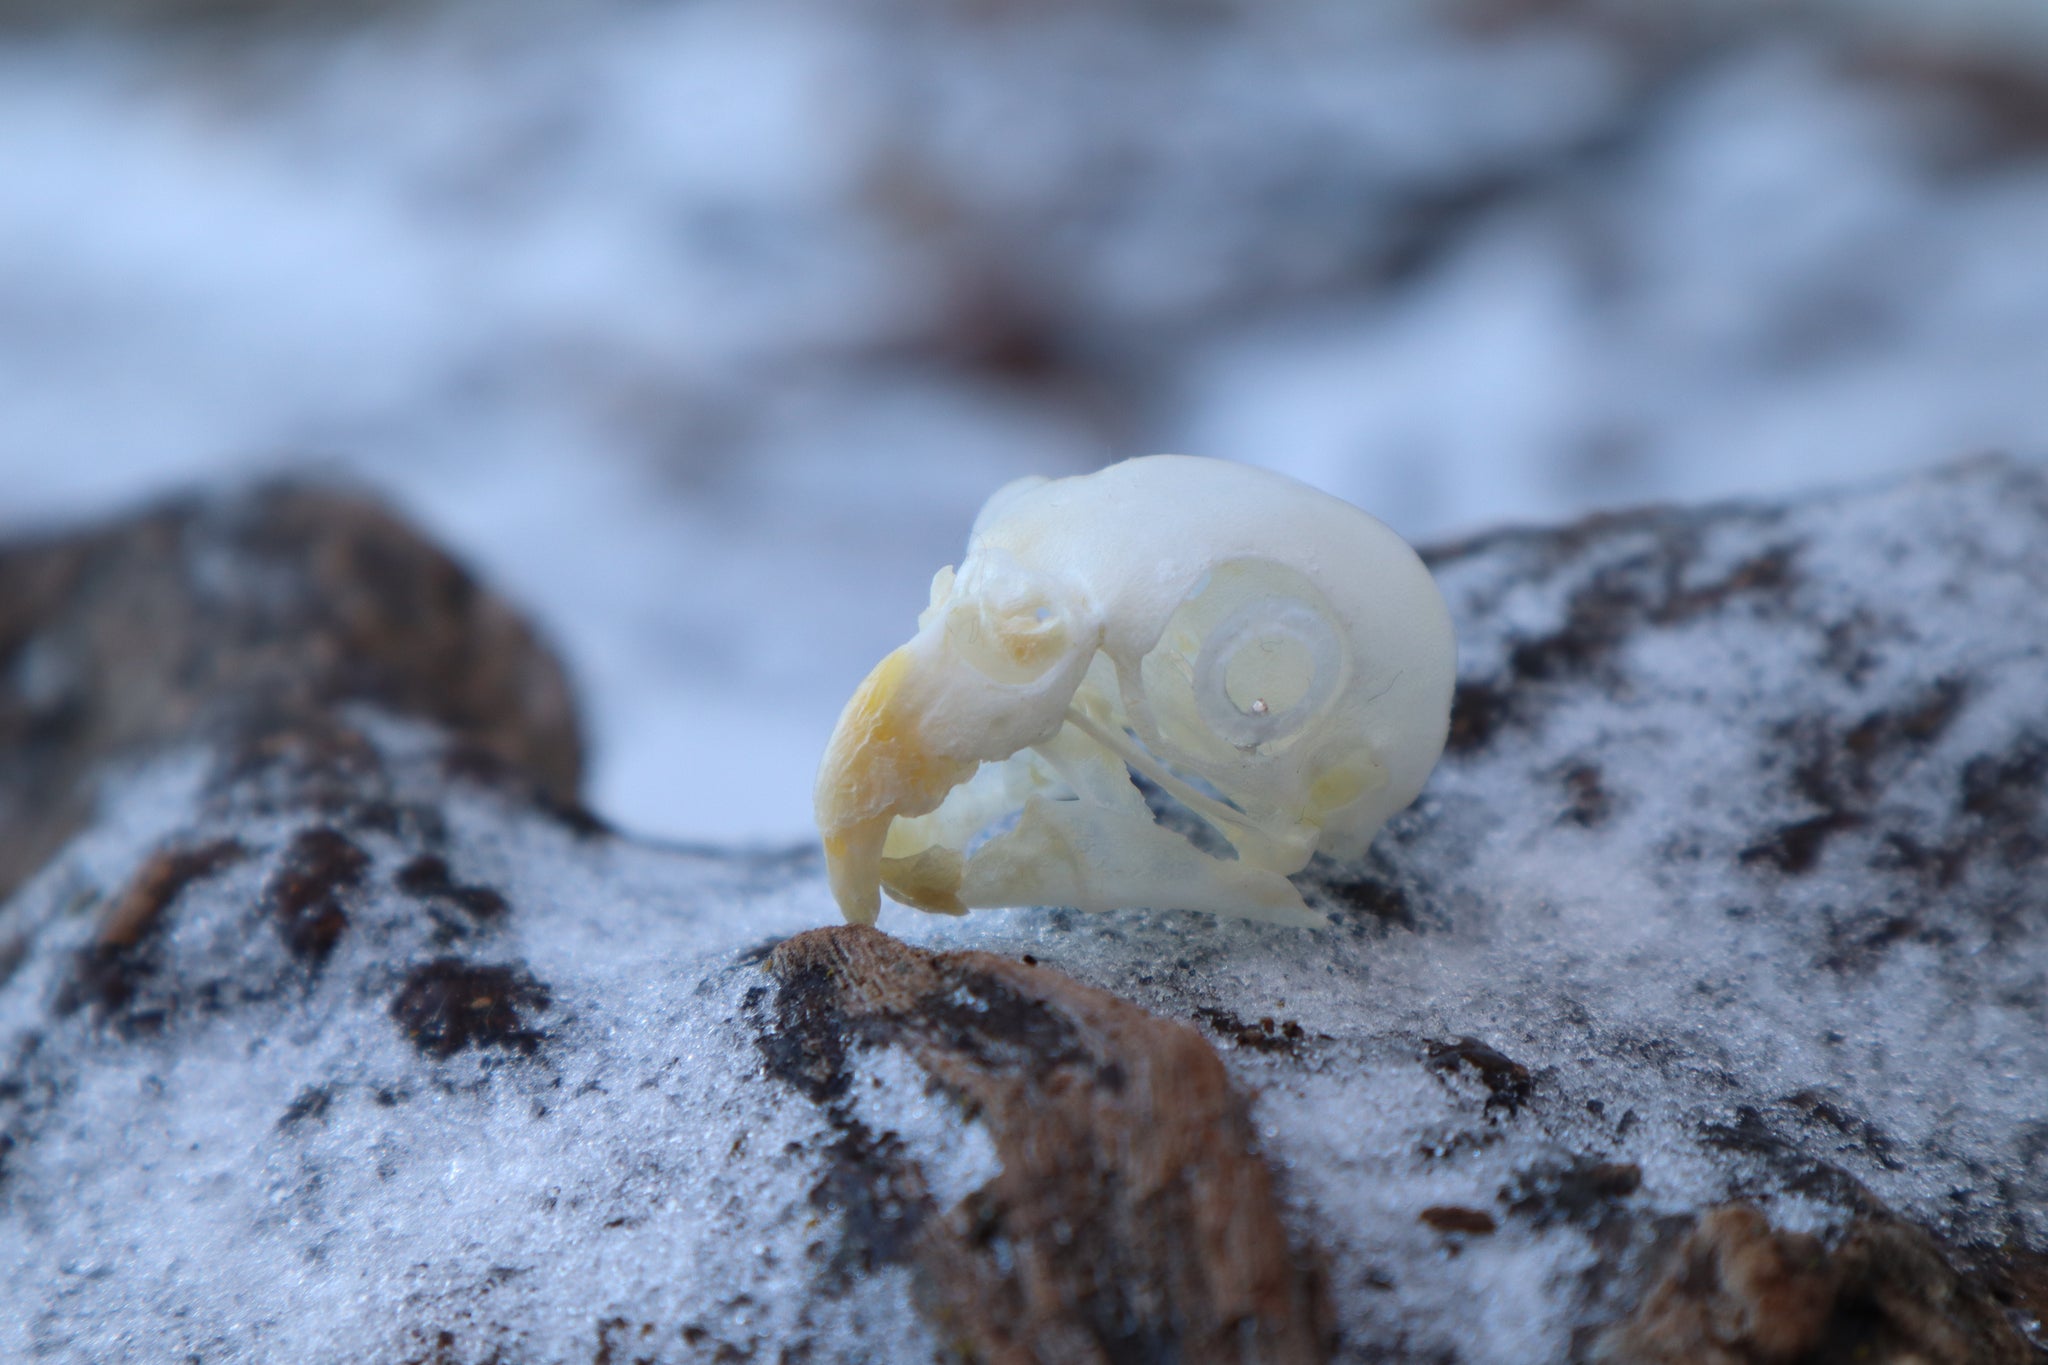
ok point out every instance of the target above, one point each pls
(853, 861)
(877, 766)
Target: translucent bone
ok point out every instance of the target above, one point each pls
(1270, 659)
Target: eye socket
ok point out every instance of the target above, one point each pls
(1247, 662)
(1266, 670)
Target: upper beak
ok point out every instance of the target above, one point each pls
(878, 766)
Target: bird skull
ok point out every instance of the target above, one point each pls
(1269, 657)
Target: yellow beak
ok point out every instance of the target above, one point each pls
(877, 767)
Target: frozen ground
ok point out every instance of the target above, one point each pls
(704, 327)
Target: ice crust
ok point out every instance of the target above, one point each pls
(286, 1177)
(703, 327)
(1599, 883)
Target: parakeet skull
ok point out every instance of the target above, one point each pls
(1270, 657)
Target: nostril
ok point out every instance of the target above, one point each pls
(1011, 639)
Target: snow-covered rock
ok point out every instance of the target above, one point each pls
(704, 326)
(1695, 1013)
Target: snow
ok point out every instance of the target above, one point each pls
(685, 321)
(278, 1172)
(638, 1170)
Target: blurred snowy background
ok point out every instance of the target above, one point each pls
(702, 327)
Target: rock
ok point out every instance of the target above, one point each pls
(1737, 1293)
(248, 620)
(1131, 1219)
(1695, 1013)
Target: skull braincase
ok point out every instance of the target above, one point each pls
(1269, 657)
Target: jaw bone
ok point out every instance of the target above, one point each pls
(1274, 660)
